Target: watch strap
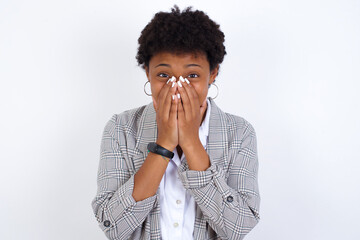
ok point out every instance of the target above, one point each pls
(156, 148)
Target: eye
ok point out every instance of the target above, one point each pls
(163, 75)
(193, 75)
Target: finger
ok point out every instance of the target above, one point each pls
(185, 99)
(180, 110)
(168, 100)
(193, 96)
(173, 110)
(164, 91)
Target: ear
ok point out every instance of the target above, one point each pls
(213, 74)
(147, 73)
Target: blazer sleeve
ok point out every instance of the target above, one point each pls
(231, 207)
(117, 212)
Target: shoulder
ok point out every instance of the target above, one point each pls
(236, 127)
(238, 123)
(126, 122)
(239, 129)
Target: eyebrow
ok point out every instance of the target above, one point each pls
(188, 65)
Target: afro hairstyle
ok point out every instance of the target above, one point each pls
(181, 32)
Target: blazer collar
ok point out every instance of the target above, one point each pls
(217, 146)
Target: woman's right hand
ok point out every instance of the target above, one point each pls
(166, 116)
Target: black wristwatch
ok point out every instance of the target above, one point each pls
(155, 148)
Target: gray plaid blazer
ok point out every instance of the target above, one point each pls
(226, 194)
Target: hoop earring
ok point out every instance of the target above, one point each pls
(145, 89)
(217, 92)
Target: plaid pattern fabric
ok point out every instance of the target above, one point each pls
(226, 194)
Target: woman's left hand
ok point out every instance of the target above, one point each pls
(190, 114)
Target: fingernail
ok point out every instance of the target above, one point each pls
(181, 79)
(187, 81)
(173, 97)
(173, 78)
(178, 95)
(173, 84)
(168, 81)
(179, 83)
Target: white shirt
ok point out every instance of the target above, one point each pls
(177, 207)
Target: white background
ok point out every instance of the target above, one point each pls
(292, 70)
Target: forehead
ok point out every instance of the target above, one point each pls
(178, 58)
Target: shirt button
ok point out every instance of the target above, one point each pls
(230, 198)
(106, 223)
(176, 224)
(178, 201)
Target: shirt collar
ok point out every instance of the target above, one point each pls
(204, 127)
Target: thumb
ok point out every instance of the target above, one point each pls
(203, 107)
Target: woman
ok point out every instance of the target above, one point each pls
(179, 167)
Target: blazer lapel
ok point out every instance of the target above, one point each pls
(147, 132)
(217, 146)
(217, 149)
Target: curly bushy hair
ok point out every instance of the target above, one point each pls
(181, 32)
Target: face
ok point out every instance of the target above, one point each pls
(196, 69)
